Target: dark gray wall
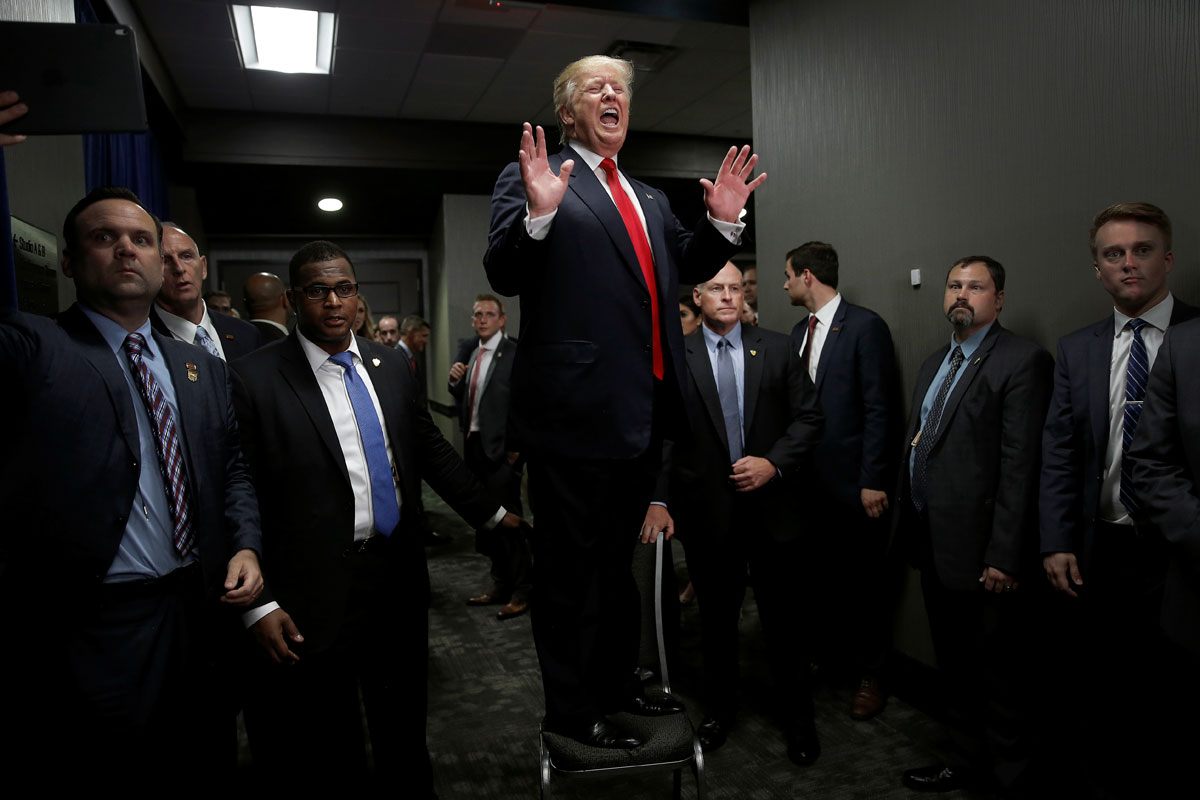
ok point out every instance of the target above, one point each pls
(911, 134)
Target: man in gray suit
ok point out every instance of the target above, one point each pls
(481, 388)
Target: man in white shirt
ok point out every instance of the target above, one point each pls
(481, 386)
(1099, 551)
(338, 447)
(180, 310)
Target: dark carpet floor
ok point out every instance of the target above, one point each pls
(485, 704)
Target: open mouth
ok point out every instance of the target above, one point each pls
(610, 118)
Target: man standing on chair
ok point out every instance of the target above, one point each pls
(596, 258)
(734, 492)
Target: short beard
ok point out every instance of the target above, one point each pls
(964, 322)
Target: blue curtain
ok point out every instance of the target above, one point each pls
(8, 274)
(132, 160)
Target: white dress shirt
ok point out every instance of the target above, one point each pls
(483, 360)
(824, 316)
(185, 331)
(1157, 319)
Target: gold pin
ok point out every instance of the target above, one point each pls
(833, 330)
(916, 439)
(753, 352)
(375, 361)
(978, 359)
(229, 336)
(649, 196)
(193, 375)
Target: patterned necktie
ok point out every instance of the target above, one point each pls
(727, 392)
(920, 478)
(641, 246)
(383, 486)
(1136, 375)
(808, 342)
(474, 388)
(166, 442)
(204, 340)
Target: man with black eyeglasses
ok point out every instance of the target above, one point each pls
(338, 447)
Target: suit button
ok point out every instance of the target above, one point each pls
(648, 349)
(645, 304)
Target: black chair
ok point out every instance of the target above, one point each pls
(668, 743)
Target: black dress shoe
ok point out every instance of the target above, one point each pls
(803, 747)
(600, 733)
(646, 706)
(934, 778)
(712, 734)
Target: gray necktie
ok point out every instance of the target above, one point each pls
(204, 340)
(727, 392)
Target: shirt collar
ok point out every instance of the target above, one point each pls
(114, 334)
(1159, 316)
(182, 328)
(825, 313)
(317, 357)
(972, 341)
(589, 157)
(492, 343)
(734, 337)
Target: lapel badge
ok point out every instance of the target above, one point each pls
(833, 330)
(977, 360)
(193, 374)
(375, 361)
(229, 336)
(753, 352)
(649, 196)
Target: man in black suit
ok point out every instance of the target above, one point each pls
(598, 377)
(266, 302)
(180, 310)
(1098, 550)
(123, 490)
(967, 520)
(734, 493)
(338, 444)
(481, 384)
(848, 354)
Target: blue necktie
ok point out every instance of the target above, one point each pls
(383, 487)
(1136, 375)
(727, 392)
(204, 340)
(920, 474)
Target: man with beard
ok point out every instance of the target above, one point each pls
(968, 521)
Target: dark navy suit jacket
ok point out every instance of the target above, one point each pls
(582, 382)
(1075, 438)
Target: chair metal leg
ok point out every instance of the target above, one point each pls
(698, 768)
(546, 794)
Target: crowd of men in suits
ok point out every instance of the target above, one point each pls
(211, 483)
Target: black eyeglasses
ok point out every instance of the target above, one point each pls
(319, 291)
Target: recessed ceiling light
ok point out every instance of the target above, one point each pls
(285, 39)
(329, 204)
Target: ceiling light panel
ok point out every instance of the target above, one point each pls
(285, 39)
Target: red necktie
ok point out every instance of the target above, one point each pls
(812, 324)
(641, 246)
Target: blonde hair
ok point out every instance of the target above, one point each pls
(568, 81)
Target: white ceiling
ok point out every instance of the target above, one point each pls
(458, 60)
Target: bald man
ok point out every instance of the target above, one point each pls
(265, 297)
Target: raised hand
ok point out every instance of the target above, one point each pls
(10, 109)
(543, 189)
(726, 197)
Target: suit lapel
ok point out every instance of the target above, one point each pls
(101, 357)
(969, 369)
(588, 188)
(1099, 363)
(181, 369)
(753, 357)
(294, 368)
(702, 374)
(829, 348)
(645, 197)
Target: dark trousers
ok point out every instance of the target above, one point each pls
(126, 682)
(512, 567)
(304, 719)
(1130, 685)
(586, 608)
(849, 593)
(982, 642)
(718, 566)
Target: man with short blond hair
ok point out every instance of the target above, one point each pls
(596, 258)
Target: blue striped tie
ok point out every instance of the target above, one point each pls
(383, 486)
(1136, 375)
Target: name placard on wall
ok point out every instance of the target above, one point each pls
(35, 256)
